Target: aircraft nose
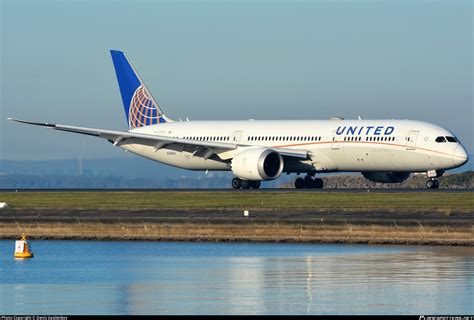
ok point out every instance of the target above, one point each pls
(460, 156)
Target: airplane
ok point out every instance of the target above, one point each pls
(386, 151)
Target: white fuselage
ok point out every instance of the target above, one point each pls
(334, 145)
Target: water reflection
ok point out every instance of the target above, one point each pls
(206, 278)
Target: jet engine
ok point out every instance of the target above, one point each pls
(257, 164)
(386, 177)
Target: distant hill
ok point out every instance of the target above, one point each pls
(136, 172)
(124, 173)
(129, 167)
(449, 181)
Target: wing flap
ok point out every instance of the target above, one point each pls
(295, 153)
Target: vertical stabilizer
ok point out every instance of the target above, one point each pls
(140, 107)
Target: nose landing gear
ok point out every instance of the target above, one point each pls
(433, 174)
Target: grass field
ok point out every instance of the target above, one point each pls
(239, 200)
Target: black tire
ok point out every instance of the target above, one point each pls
(318, 183)
(430, 184)
(245, 184)
(309, 183)
(255, 184)
(436, 184)
(236, 183)
(299, 183)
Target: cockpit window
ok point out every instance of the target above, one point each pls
(451, 139)
(440, 139)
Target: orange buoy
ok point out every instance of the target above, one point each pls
(22, 250)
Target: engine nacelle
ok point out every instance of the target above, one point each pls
(257, 164)
(386, 177)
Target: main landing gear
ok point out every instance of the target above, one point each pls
(238, 183)
(309, 183)
(432, 184)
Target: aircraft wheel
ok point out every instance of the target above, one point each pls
(309, 183)
(236, 183)
(432, 184)
(299, 183)
(246, 184)
(429, 184)
(318, 183)
(255, 184)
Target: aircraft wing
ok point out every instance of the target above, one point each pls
(117, 137)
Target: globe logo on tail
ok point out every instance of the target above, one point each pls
(143, 110)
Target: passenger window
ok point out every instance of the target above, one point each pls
(440, 139)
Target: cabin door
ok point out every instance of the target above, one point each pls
(411, 140)
(237, 136)
(335, 142)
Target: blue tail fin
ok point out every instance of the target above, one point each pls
(140, 107)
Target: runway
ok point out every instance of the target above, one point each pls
(220, 190)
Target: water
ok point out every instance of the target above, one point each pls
(100, 277)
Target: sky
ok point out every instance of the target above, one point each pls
(229, 60)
